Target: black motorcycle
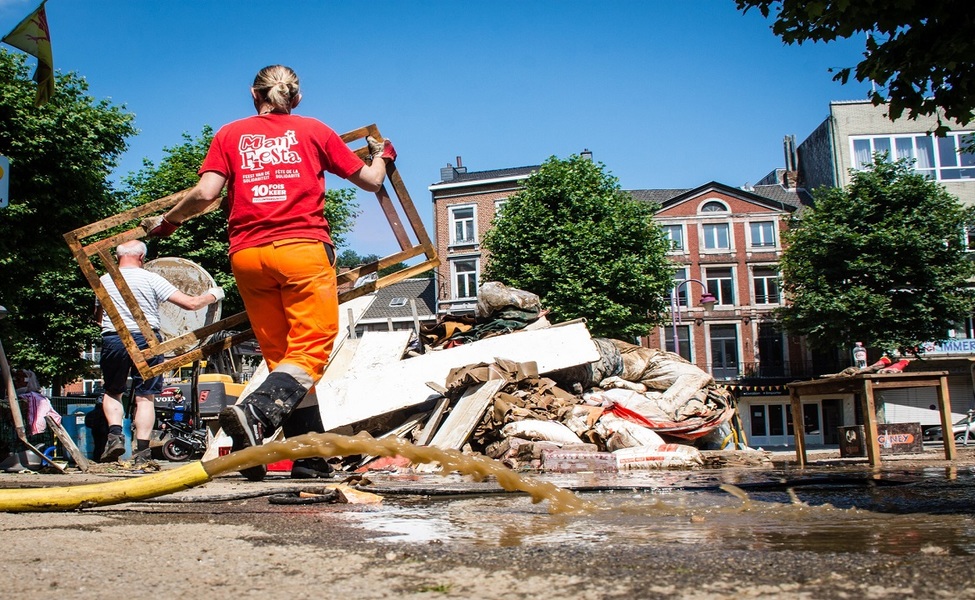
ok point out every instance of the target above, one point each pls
(183, 439)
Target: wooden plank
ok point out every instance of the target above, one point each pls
(70, 447)
(409, 425)
(404, 384)
(465, 416)
(433, 422)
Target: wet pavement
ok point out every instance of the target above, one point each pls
(837, 529)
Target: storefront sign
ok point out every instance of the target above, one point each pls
(954, 346)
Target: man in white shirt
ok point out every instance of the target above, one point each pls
(150, 290)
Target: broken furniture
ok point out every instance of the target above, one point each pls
(864, 386)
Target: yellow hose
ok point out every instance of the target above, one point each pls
(303, 446)
(104, 494)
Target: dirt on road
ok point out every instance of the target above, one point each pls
(656, 535)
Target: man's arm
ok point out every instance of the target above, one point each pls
(188, 302)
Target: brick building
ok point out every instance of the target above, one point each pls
(464, 204)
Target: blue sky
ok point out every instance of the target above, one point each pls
(665, 94)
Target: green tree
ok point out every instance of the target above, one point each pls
(882, 262)
(203, 239)
(921, 54)
(586, 247)
(61, 156)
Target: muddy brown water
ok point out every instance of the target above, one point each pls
(929, 512)
(851, 510)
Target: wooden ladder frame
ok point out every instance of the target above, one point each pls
(103, 249)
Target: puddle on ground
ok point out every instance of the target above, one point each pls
(931, 511)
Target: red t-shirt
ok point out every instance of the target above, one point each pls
(275, 168)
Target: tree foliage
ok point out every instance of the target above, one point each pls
(203, 239)
(882, 262)
(61, 156)
(587, 248)
(921, 54)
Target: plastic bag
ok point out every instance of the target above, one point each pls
(493, 296)
(667, 456)
(534, 430)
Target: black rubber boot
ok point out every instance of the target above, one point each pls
(275, 399)
(312, 468)
(260, 414)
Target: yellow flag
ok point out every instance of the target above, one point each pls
(33, 37)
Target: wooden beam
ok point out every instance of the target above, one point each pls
(944, 408)
(798, 429)
(870, 418)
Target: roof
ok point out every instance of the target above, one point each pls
(475, 176)
(774, 195)
(657, 196)
(421, 290)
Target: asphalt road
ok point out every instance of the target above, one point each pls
(663, 535)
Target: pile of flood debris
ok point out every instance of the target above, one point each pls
(535, 395)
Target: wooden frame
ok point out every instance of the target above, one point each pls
(103, 249)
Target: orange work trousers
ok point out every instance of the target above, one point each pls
(290, 294)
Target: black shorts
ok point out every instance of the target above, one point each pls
(117, 366)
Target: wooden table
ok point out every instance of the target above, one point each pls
(864, 385)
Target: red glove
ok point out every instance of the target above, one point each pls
(897, 367)
(158, 226)
(382, 149)
(884, 362)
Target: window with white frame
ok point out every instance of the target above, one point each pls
(465, 278)
(765, 282)
(940, 158)
(713, 206)
(499, 208)
(717, 236)
(724, 351)
(721, 284)
(683, 340)
(675, 234)
(968, 236)
(462, 230)
(762, 234)
(679, 276)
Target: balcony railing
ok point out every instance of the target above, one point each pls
(768, 370)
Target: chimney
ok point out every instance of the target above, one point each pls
(447, 173)
(789, 147)
(791, 175)
(586, 154)
(450, 172)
